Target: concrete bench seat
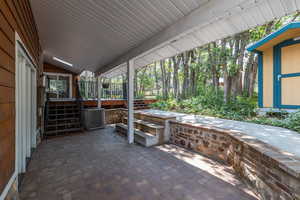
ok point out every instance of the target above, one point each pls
(146, 126)
(140, 137)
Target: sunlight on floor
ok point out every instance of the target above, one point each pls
(217, 169)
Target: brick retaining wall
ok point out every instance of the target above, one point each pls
(272, 173)
(114, 116)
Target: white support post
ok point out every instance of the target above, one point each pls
(130, 99)
(99, 79)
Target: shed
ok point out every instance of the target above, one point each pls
(279, 68)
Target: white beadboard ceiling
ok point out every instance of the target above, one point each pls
(92, 33)
(101, 35)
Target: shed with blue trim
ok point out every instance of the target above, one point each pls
(279, 68)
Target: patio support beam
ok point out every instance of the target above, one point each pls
(130, 100)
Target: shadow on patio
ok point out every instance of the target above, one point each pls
(101, 165)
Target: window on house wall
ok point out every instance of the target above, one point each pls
(59, 86)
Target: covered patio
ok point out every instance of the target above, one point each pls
(159, 157)
(101, 165)
(113, 38)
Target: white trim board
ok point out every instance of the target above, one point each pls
(8, 186)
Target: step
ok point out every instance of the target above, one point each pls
(143, 138)
(61, 114)
(62, 109)
(146, 126)
(58, 132)
(63, 119)
(62, 127)
(62, 124)
(152, 119)
(62, 105)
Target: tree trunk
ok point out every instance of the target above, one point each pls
(176, 62)
(212, 62)
(135, 83)
(253, 77)
(192, 80)
(142, 85)
(227, 79)
(186, 78)
(163, 77)
(227, 86)
(247, 74)
(168, 79)
(156, 78)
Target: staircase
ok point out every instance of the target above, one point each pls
(62, 118)
(149, 130)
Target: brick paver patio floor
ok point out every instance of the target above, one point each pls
(100, 165)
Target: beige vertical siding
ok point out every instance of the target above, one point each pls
(290, 63)
(290, 94)
(268, 78)
(290, 59)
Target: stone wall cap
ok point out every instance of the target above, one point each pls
(157, 114)
(286, 161)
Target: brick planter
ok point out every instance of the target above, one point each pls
(114, 116)
(272, 173)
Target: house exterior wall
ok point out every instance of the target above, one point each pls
(15, 16)
(268, 78)
(50, 68)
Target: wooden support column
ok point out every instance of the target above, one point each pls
(130, 99)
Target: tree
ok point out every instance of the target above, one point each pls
(184, 75)
(186, 60)
(165, 93)
(176, 62)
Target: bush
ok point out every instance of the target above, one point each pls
(211, 103)
(291, 121)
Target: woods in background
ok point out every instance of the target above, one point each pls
(223, 65)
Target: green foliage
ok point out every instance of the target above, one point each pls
(291, 121)
(241, 108)
(211, 103)
(194, 80)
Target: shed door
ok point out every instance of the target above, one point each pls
(289, 76)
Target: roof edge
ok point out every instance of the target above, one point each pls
(254, 46)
